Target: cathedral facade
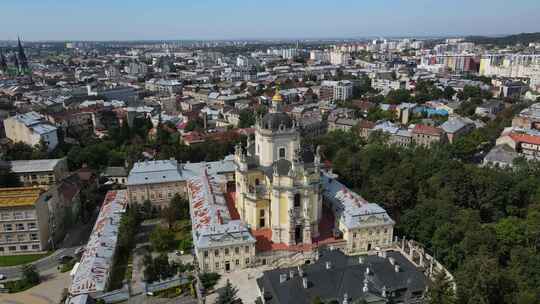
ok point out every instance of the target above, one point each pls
(278, 183)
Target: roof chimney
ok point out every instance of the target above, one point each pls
(361, 260)
(345, 298)
(397, 268)
(305, 283)
(328, 265)
(383, 292)
(367, 270)
(291, 273)
(300, 271)
(282, 278)
(365, 288)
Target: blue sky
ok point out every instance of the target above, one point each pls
(230, 19)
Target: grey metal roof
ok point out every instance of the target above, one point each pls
(115, 171)
(501, 154)
(454, 124)
(346, 276)
(351, 209)
(151, 172)
(37, 165)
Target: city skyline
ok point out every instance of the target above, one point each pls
(240, 19)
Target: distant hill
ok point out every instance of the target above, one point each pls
(523, 38)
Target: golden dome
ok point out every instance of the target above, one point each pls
(277, 96)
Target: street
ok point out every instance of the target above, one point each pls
(75, 238)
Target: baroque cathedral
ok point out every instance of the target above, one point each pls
(278, 182)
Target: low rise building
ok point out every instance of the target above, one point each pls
(456, 127)
(156, 181)
(528, 118)
(40, 172)
(364, 225)
(426, 136)
(24, 218)
(526, 142)
(93, 274)
(31, 128)
(116, 175)
(221, 242)
(376, 279)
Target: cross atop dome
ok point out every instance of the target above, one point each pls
(277, 100)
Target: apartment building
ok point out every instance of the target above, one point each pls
(426, 135)
(24, 221)
(40, 172)
(510, 65)
(336, 90)
(31, 128)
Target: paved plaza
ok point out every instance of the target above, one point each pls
(244, 280)
(48, 292)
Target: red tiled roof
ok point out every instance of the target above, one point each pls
(525, 138)
(428, 130)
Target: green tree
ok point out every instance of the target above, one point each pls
(8, 178)
(228, 294)
(30, 274)
(247, 119)
(162, 239)
(398, 96)
(440, 290)
(209, 279)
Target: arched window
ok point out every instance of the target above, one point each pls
(297, 200)
(257, 182)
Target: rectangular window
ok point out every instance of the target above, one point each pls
(23, 247)
(216, 252)
(32, 226)
(261, 213)
(8, 227)
(6, 216)
(12, 248)
(30, 214)
(35, 247)
(1, 249)
(19, 227)
(237, 262)
(281, 152)
(21, 237)
(9, 238)
(18, 215)
(226, 251)
(237, 250)
(246, 249)
(205, 253)
(33, 236)
(247, 261)
(217, 265)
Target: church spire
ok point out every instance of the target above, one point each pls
(23, 61)
(3, 63)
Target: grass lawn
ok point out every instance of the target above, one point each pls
(14, 260)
